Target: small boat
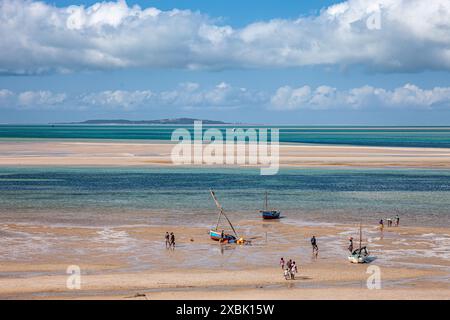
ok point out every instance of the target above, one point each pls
(220, 235)
(269, 214)
(360, 255)
(217, 236)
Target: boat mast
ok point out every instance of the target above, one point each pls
(360, 236)
(213, 195)
(222, 212)
(266, 202)
(232, 228)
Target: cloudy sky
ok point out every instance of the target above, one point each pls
(359, 62)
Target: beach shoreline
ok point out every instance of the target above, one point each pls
(151, 153)
(131, 262)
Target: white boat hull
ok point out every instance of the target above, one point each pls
(357, 259)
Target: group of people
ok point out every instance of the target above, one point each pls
(289, 268)
(170, 240)
(390, 222)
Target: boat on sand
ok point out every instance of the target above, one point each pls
(269, 214)
(360, 255)
(220, 235)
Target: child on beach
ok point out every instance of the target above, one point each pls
(282, 263)
(286, 274)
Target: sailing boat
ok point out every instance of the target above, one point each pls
(360, 255)
(269, 214)
(217, 235)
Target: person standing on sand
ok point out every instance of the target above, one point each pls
(288, 265)
(397, 220)
(315, 248)
(350, 244)
(381, 224)
(282, 263)
(167, 240)
(293, 270)
(172, 240)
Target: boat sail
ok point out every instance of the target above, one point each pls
(217, 235)
(269, 214)
(360, 255)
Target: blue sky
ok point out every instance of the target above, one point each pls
(302, 62)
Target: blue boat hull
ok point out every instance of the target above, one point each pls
(217, 236)
(270, 214)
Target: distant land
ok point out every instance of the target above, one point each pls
(161, 121)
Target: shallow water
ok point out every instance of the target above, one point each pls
(118, 196)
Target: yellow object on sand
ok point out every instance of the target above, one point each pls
(240, 241)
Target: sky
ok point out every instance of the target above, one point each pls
(356, 62)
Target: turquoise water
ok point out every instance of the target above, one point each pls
(93, 196)
(370, 136)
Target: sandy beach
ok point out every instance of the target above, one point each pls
(151, 153)
(131, 262)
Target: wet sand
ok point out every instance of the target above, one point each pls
(150, 153)
(131, 262)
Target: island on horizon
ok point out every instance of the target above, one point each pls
(141, 122)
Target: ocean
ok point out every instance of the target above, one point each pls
(159, 196)
(117, 196)
(368, 136)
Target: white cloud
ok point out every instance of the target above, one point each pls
(324, 97)
(225, 96)
(45, 99)
(126, 100)
(5, 97)
(222, 95)
(36, 37)
(186, 95)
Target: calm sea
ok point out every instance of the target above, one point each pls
(112, 196)
(370, 136)
(99, 196)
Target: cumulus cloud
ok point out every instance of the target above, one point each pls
(40, 98)
(222, 95)
(225, 96)
(126, 100)
(383, 35)
(187, 95)
(324, 97)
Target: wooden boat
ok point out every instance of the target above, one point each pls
(360, 255)
(221, 235)
(269, 214)
(217, 235)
